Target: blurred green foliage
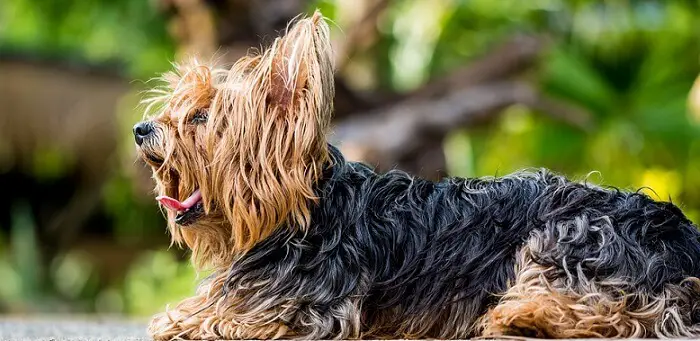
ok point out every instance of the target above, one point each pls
(128, 33)
(630, 63)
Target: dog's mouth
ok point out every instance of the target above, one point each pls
(188, 210)
(150, 155)
(153, 160)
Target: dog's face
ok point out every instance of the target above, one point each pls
(235, 152)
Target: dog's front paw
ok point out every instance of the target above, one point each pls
(167, 326)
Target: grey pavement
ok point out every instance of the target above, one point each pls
(90, 328)
(70, 328)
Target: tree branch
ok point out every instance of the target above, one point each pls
(505, 60)
(385, 136)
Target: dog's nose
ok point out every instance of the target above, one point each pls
(142, 130)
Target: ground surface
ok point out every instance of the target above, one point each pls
(77, 329)
(73, 329)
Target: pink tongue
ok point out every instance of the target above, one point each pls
(175, 205)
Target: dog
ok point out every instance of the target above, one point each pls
(302, 243)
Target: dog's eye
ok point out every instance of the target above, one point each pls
(200, 116)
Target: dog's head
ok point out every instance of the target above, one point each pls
(235, 152)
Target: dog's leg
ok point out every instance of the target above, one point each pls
(212, 316)
(537, 307)
(178, 323)
(209, 324)
(544, 303)
(193, 318)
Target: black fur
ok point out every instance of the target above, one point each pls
(416, 248)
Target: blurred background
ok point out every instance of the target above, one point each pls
(441, 87)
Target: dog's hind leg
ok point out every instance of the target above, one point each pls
(537, 307)
(547, 300)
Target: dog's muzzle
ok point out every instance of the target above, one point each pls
(142, 131)
(144, 134)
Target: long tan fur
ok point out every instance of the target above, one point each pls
(262, 148)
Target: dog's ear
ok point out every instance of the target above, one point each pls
(301, 69)
(272, 148)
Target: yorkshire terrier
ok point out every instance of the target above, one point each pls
(304, 244)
